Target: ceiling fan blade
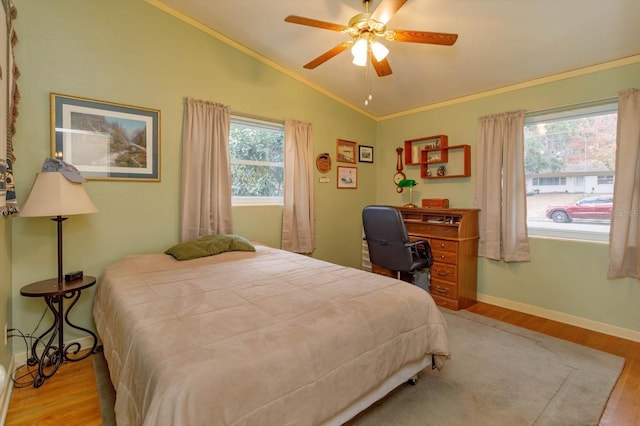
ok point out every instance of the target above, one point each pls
(386, 9)
(327, 55)
(425, 37)
(382, 67)
(314, 23)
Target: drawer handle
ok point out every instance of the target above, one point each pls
(442, 256)
(442, 273)
(442, 290)
(443, 245)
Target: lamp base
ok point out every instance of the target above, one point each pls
(411, 205)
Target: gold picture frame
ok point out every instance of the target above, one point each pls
(346, 151)
(347, 177)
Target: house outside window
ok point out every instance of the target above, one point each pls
(557, 180)
(256, 151)
(605, 180)
(569, 170)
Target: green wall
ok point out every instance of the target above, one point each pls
(5, 289)
(127, 51)
(568, 277)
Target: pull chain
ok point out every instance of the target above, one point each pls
(367, 80)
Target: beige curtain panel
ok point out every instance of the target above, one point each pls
(205, 206)
(298, 216)
(501, 188)
(624, 235)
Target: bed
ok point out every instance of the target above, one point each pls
(258, 338)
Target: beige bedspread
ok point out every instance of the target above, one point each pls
(264, 338)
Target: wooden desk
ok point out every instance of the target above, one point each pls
(453, 236)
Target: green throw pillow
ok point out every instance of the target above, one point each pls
(209, 245)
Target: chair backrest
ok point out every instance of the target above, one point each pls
(386, 237)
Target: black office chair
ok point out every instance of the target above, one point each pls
(390, 247)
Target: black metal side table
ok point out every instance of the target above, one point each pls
(54, 353)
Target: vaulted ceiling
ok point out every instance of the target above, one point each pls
(500, 43)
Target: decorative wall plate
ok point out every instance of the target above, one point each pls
(323, 162)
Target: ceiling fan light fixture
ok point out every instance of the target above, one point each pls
(379, 51)
(360, 61)
(363, 29)
(359, 51)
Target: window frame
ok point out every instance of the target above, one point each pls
(566, 113)
(272, 125)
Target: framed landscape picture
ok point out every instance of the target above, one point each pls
(106, 140)
(365, 154)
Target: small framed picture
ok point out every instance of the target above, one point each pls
(347, 177)
(346, 151)
(365, 154)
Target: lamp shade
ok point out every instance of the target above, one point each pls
(52, 194)
(406, 183)
(359, 51)
(379, 50)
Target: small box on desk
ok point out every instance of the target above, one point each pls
(442, 203)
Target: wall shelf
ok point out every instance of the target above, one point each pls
(431, 163)
(413, 148)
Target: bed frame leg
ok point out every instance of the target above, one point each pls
(413, 380)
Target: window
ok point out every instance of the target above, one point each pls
(257, 161)
(605, 180)
(550, 181)
(570, 168)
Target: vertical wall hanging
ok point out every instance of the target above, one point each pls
(9, 97)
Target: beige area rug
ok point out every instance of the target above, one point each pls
(499, 374)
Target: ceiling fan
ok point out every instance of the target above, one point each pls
(364, 29)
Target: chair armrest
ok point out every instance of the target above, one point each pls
(422, 249)
(416, 243)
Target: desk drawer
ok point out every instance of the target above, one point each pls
(445, 302)
(443, 246)
(444, 289)
(444, 272)
(445, 256)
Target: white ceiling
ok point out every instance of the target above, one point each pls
(500, 43)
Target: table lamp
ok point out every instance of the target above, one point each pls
(57, 191)
(408, 183)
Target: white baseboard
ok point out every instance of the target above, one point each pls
(600, 327)
(20, 358)
(6, 389)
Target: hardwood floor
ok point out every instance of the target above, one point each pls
(71, 396)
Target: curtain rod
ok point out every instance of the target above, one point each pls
(256, 117)
(577, 104)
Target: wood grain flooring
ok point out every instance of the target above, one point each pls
(71, 396)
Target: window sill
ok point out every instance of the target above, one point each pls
(561, 234)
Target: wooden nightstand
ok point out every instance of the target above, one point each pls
(55, 353)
